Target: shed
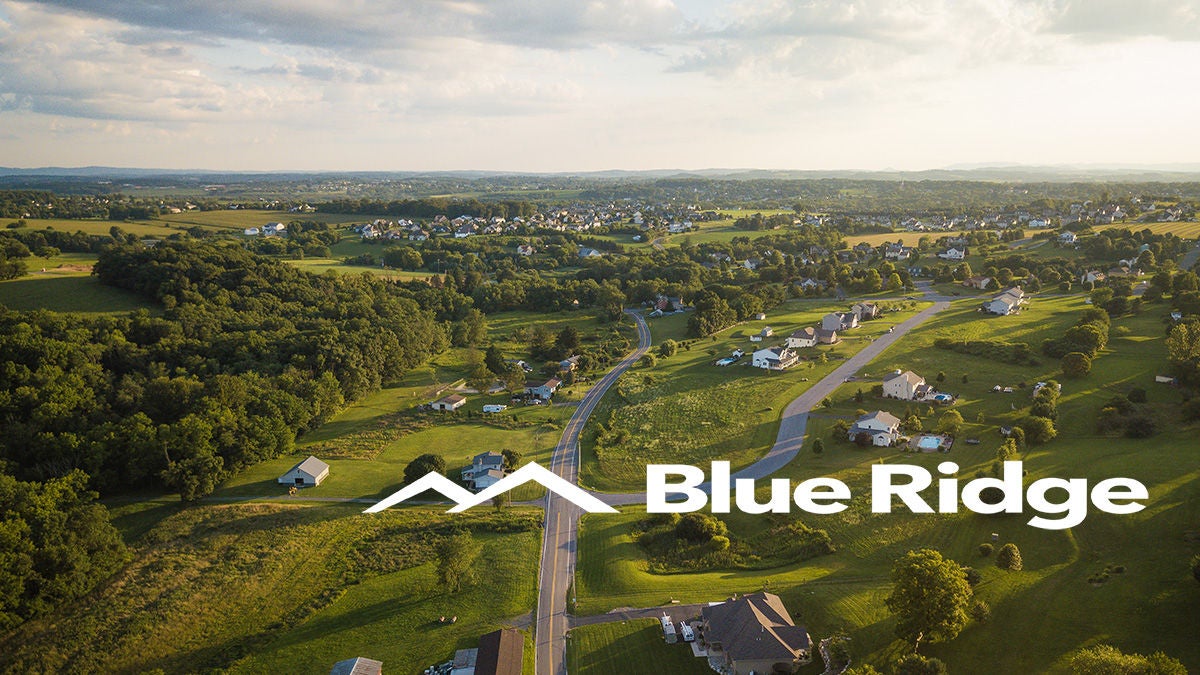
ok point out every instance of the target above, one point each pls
(451, 402)
(310, 472)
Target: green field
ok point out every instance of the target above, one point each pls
(632, 647)
(67, 286)
(275, 588)
(1050, 608)
(688, 410)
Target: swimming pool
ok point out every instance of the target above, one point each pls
(943, 398)
(929, 442)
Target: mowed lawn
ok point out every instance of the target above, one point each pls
(258, 588)
(1049, 608)
(633, 647)
(686, 409)
(67, 287)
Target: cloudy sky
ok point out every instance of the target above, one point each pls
(573, 85)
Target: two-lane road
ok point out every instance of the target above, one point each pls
(562, 523)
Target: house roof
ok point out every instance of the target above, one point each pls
(357, 666)
(311, 466)
(491, 457)
(909, 376)
(754, 627)
(806, 333)
(552, 383)
(880, 416)
(452, 398)
(821, 332)
(500, 653)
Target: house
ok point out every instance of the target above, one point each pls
(357, 666)
(308, 473)
(761, 316)
(897, 252)
(1008, 302)
(839, 321)
(451, 402)
(805, 337)
(766, 332)
(978, 283)
(500, 653)
(774, 358)
(882, 427)
(953, 254)
(754, 634)
(525, 249)
(274, 228)
(481, 464)
(1094, 276)
(569, 364)
(587, 252)
(667, 303)
(1067, 238)
(827, 337)
(250, 231)
(418, 235)
(906, 386)
(864, 310)
(543, 390)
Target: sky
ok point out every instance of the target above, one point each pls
(583, 85)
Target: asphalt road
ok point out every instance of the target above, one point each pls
(559, 536)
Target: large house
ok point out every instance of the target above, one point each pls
(883, 428)
(839, 321)
(1006, 303)
(865, 310)
(755, 634)
(486, 468)
(451, 402)
(827, 337)
(978, 283)
(907, 386)
(308, 473)
(805, 337)
(543, 390)
(774, 358)
(953, 253)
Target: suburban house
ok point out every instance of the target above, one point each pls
(755, 634)
(357, 666)
(481, 465)
(451, 402)
(774, 358)
(907, 386)
(897, 252)
(1006, 303)
(666, 303)
(569, 364)
(805, 337)
(953, 254)
(1067, 238)
(827, 337)
(978, 283)
(1095, 276)
(587, 252)
(864, 310)
(882, 427)
(525, 249)
(543, 390)
(839, 321)
(308, 473)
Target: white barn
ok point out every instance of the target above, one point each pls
(308, 473)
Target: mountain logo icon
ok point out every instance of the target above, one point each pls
(465, 499)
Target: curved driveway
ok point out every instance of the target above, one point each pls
(559, 535)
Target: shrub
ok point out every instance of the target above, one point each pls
(699, 527)
(973, 576)
(985, 549)
(1076, 364)
(1039, 430)
(1009, 558)
(1137, 395)
(1140, 426)
(981, 611)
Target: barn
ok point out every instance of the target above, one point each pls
(308, 473)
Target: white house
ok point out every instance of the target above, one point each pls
(839, 321)
(953, 254)
(1006, 303)
(897, 252)
(543, 390)
(805, 337)
(451, 402)
(479, 474)
(864, 310)
(308, 473)
(774, 358)
(907, 386)
(883, 428)
(1067, 238)
(525, 249)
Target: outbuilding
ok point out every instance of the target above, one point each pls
(308, 473)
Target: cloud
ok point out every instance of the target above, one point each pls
(1109, 20)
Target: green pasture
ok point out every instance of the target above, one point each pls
(634, 647)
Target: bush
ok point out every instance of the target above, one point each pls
(973, 576)
(1039, 430)
(1076, 364)
(1009, 558)
(981, 611)
(915, 664)
(1137, 395)
(1140, 426)
(699, 527)
(986, 549)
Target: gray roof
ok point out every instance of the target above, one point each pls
(881, 415)
(489, 458)
(311, 466)
(908, 375)
(754, 627)
(357, 666)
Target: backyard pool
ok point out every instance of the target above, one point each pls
(943, 398)
(929, 443)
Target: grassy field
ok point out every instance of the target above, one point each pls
(685, 409)
(1050, 609)
(148, 228)
(633, 647)
(276, 588)
(66, 285)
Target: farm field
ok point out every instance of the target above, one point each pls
(630, 647)
(206, 590)
(1053, 606)
(67, 286)
(688, 410)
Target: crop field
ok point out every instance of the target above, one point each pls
(688, 410)
(633, 647)
(254, 588)
(1116, 579)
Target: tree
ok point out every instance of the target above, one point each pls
(567, 341)
(950, 422)
(862, 669)
(915, 664)
(426, 463)
(1009, 558)
(985, 549)
(481, 378)
(512, 458)
(456, 556)
(839, 430)
(1076, 364)
(1039, 430)
(911, 424)
(494, 360)
(668, 348)
(1018, 436)
(929, 597)
(699, 527)
(1108, 660)
(818, 446)
(1007, 450)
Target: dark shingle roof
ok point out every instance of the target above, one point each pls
(754, 627)
(500, 653)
